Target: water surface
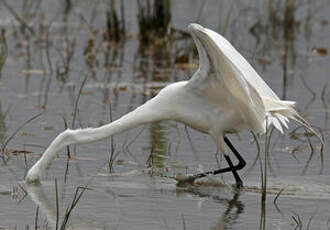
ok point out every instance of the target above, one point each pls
(287, 44)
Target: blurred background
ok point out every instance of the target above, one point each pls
(79, 63)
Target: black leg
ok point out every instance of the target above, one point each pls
(239, 182)
(241, 163)
(232, 168)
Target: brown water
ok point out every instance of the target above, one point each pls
(286, 43)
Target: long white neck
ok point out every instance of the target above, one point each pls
(149, 112)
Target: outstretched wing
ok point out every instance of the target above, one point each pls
(248, 72)
(277, 110)
(222, 77)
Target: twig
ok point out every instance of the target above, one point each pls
(310, 220)
(267, 140)
(67, 147)
(183, 222)
(257, 156)
(191, 142)
(77, 100)
(4, 50)
(73, 204)
(298, 221)
(150, 160)
(325, 104)
(111, 142)
(321, 150)
(277, 196)
(50, 66)
(269, 150)
(310, 156)
(18, 18)
(66, 170)
(264, 181)
(17, 130)
(24, 191)
(36, 219)
(77, 197)
(134, 139)
(57, 206)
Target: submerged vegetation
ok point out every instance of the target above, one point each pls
(88, 62)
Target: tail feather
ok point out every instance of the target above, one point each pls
(278, 113)
(284, 120)
(298, 118)
(273, 120)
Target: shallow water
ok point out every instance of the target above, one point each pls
(292, 59)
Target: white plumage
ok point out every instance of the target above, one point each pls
(224, 95)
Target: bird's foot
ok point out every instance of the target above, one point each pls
(239, 185)
(183, 181)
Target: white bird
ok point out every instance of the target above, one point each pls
(225, 95)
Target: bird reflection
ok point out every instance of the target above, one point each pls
(38, 196)
(229, 218)
(234, 207)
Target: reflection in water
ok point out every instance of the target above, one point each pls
(289, 56)
(80, 38)
(281, 22)
(27, 61)
(282, 29)
(153, 61)
(113, 63)
(2, 125)
(3, 50)
(230, 216)
(158, 145)
(3, 130)
(262, 224)
(234, 207)
(38, 196)
(154, 20)
(48, 208)
(325, 105)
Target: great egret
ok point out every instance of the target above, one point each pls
(225, 95)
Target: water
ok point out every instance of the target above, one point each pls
(289, 56)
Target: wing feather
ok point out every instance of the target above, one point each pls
(216, 65)
(242, 85)
(245, 67)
